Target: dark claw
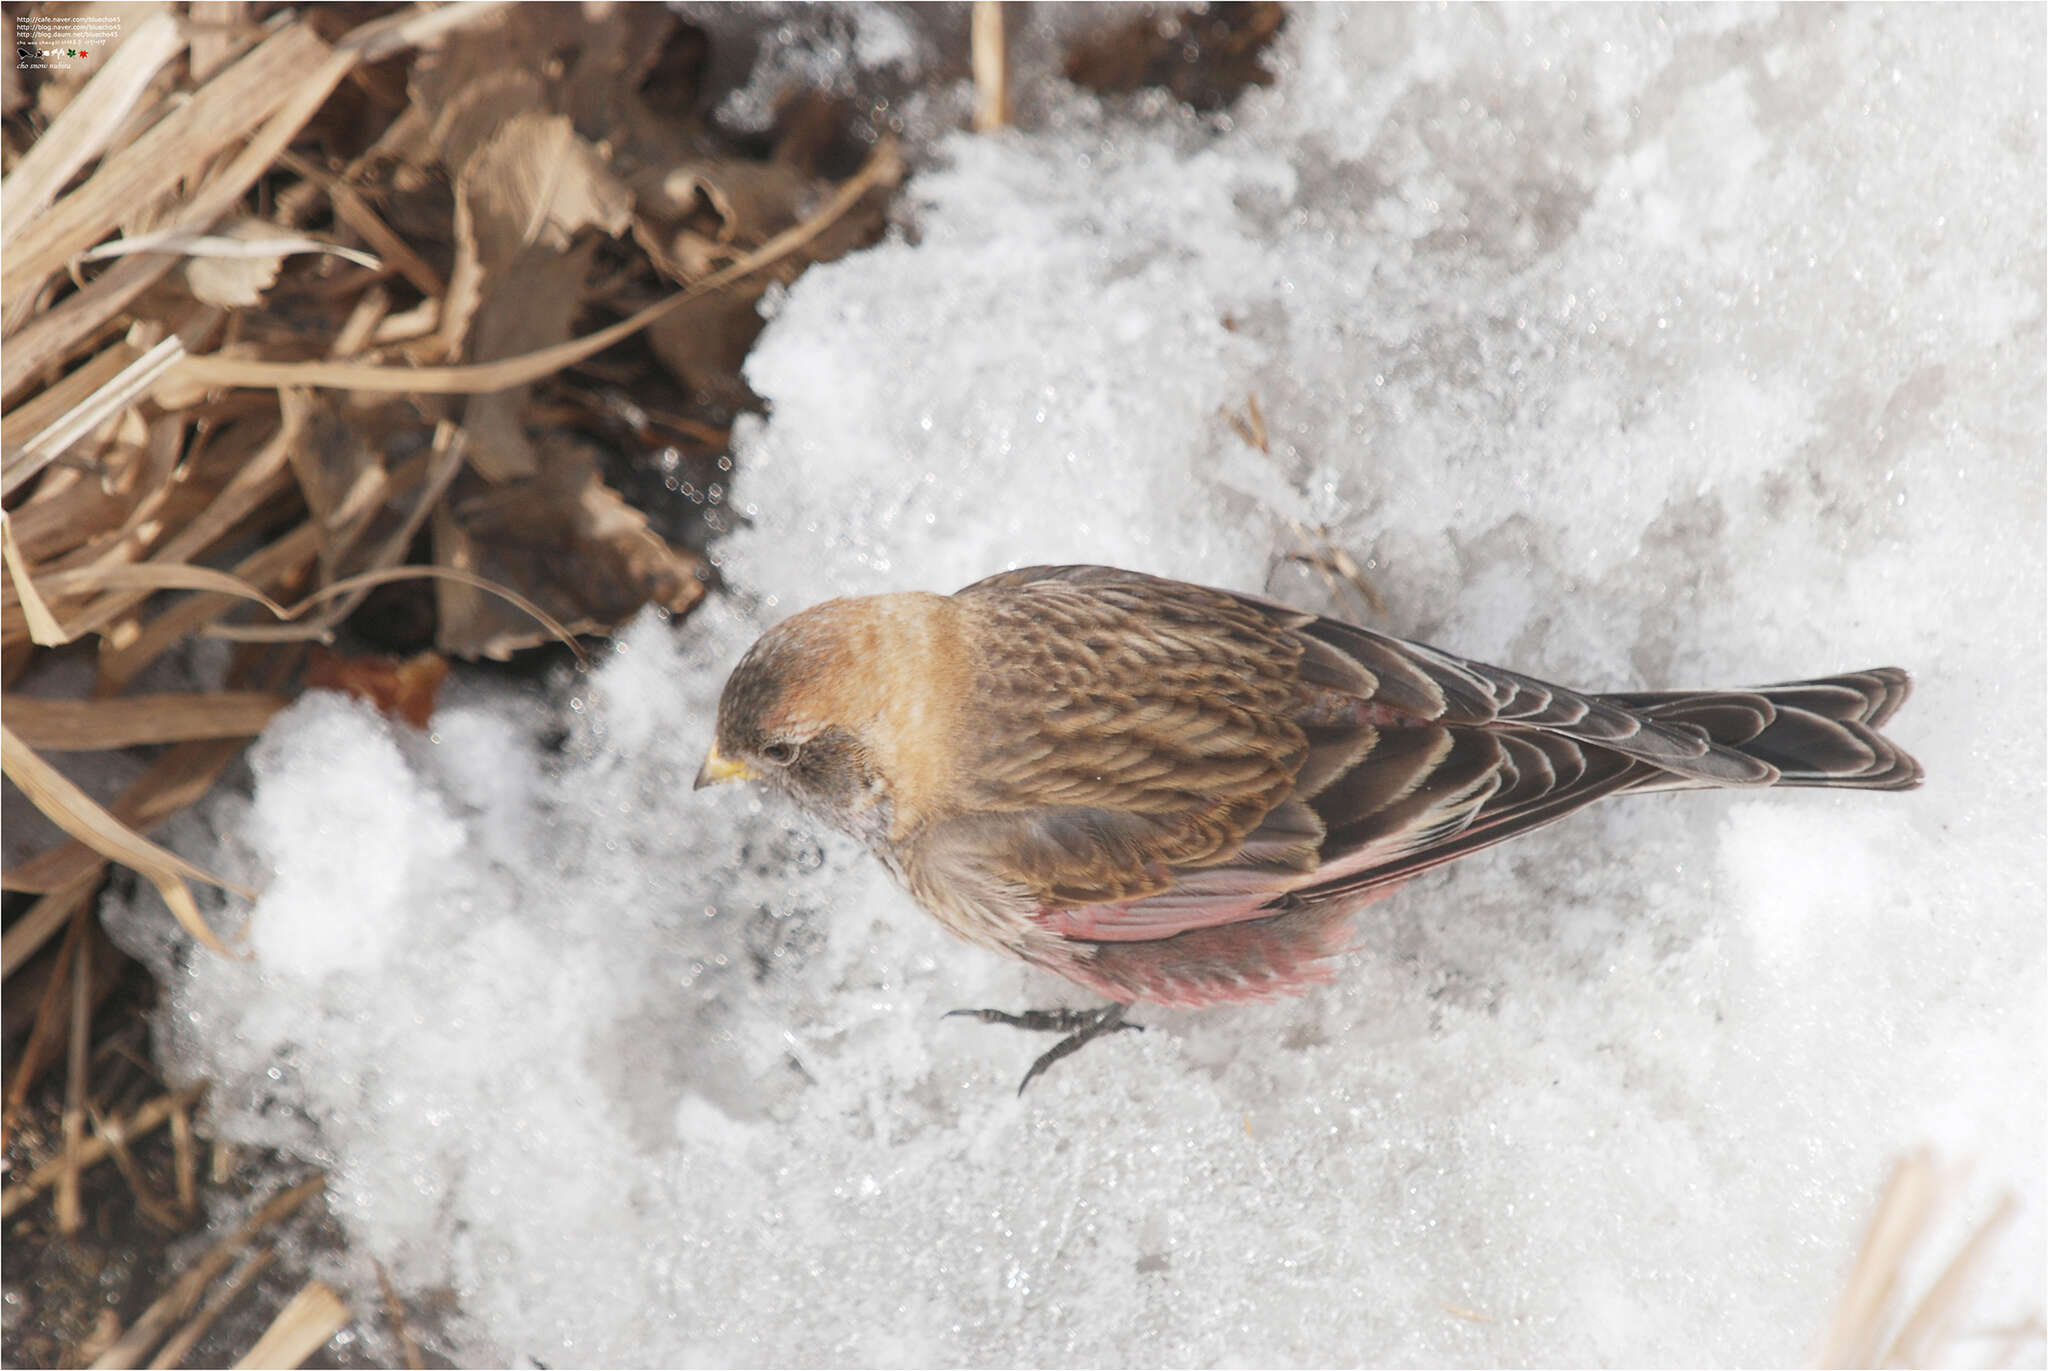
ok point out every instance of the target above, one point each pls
(1082, 1026)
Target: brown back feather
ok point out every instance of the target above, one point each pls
(1157, 745)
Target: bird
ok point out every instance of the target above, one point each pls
(1179, 795)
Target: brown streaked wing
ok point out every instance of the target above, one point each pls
(1125, 726)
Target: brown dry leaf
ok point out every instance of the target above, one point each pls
(1205, 56)
(536, 182)
(340, 469)
(564, 539)
(697, 218)
(520, 201)
(884, 168)
(403, 688)
(534, 307)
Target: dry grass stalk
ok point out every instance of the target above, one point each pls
(1920, 1340)
(1904, 1209)
(991, 67)
(181, 775)
(138, 720)
(394, 1312)
(145, 1197)
(94, 1150)
(77, 1083)
(352, 209)
(185, 1157)
(52, 1015)
(38, 622)
(39, 415)
(301, 1328)
(1869, 1327)
(177, 1301)
(266, 98)
(225, 110)
(241, 1278)
(884, 167)
(119, 391)
(88, 124)
(52, 912)
(77, 814)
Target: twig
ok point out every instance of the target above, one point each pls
(185, 1156)
(395, 1312)
(76, 1080)
(149, 1116)
(991, 67)
(185, 1291)
(241, 1278)
(124, 1162)
(300, 1329)
(51, 1015)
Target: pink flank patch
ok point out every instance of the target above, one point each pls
(1282, 954)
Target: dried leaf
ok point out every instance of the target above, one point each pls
(521, 197)
(339, 472)
(1205, 56)
(566, 541)
(883, 168)
(403, 688)
(535, 182)
(535, 308)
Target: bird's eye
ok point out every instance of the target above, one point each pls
(782, 754)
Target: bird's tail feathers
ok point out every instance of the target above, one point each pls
(1816, 733)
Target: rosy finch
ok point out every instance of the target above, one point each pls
(1174, 794)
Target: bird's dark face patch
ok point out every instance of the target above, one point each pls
(781, 715)
(831, 776)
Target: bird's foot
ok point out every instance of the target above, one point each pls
(1082, 1026)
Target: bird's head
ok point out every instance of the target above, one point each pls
(831, 708)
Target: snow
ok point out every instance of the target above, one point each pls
(1636, 348)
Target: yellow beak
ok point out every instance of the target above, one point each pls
(717, 770)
